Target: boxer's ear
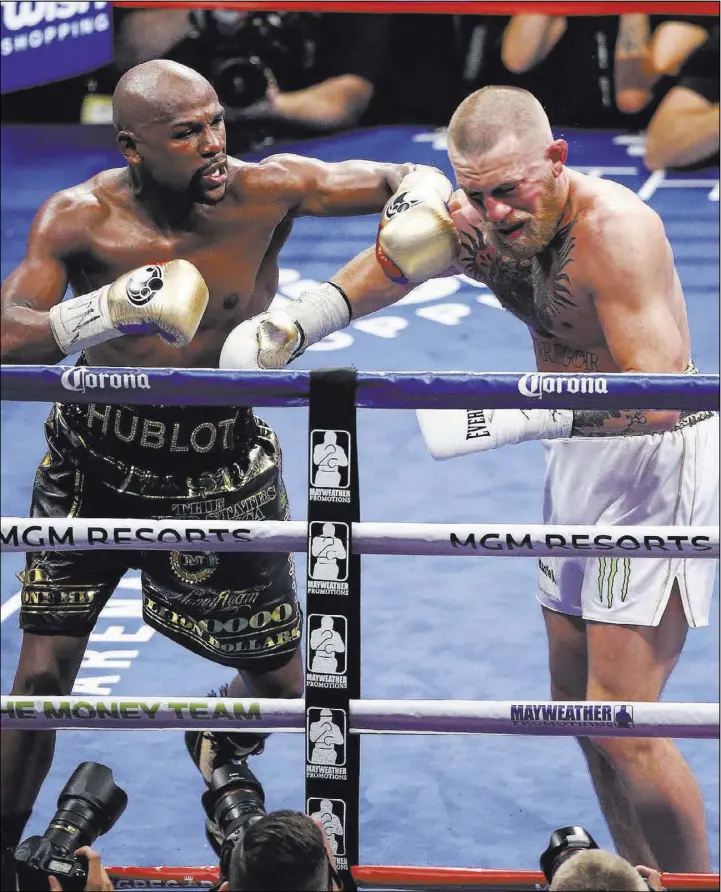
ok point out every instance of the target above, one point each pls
(126, 142)
(557, 153)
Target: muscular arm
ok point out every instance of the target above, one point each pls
(321, 189)
(38, 283)
(631, 277)
(684, 130)
(366, 286)
(528, 39)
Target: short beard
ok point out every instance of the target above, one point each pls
(538, 232)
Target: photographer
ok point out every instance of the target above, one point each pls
(574, 863)
(600, 871)
(98, 880)
(61, 859)
(284, 851)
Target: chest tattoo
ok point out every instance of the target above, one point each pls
(535, 289)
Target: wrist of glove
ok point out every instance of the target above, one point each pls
(167, 299)
(273, 339)
(449, 433)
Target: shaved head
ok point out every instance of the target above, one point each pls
(492, 114)
(156, 91)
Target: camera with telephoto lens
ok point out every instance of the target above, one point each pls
(564, 844)
(234, 800)
(88, 806)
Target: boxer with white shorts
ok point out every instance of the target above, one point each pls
(586, 265)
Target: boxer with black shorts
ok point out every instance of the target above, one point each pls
(188, 240)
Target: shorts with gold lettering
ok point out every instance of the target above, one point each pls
(156, 462)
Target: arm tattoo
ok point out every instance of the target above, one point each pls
(632, 33)
(591, 423)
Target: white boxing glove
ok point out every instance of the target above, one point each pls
(271, 340)
(417, 238)
(449, 433)
(167, 299)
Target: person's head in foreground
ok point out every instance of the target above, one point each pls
(595, 870)
(285, 851)
(511, 168)
(170, 127)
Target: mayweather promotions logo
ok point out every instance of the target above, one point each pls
(143, 284)
(193, 566)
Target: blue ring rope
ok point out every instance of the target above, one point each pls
(376, 390)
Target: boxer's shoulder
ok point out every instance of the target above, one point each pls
(601, 207)
(279, 173)
(66, 218)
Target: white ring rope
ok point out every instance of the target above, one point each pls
(544, 718)
(459, 539)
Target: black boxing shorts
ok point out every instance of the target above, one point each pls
(157, 462)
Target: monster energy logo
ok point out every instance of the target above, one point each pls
(608, 571)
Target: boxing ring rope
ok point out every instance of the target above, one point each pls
(451, 540)
(374, 390)
(535, 718)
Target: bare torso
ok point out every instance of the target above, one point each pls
(234, 244)
(550, 292)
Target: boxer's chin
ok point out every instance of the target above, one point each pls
(212, 196)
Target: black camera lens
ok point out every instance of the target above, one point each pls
(233, 795)
(234, 800)
(241, 82)
(88, 806)
(564, 843)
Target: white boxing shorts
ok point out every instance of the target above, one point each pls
(669, 479)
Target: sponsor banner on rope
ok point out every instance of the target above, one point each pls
(50, 41)
(330, 471)
(330, 815)
(45, 534)
(328, 558)
(326, 739)
(189, 882)
(80, 379)
(611, 715)
(129, 710)
(535, 384)
(573, 542)
(327, 646)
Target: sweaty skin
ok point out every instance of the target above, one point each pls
(601, 295)
(160, 207)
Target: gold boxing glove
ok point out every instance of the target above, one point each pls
(417, 238)
(167, 299)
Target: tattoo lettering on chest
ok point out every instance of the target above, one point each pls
(536, 289)
(563, 356)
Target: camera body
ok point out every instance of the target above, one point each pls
(38, 854)
(234, 800)
(88, 806)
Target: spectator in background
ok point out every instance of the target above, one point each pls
(587, 71)
(285, 851)
(674, 38)
(684, 130)
(596, 870)
(278, 74)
